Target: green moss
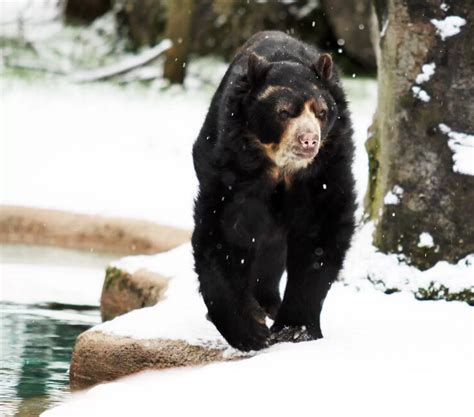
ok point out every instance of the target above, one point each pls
(440, 292)
(112, 275)
(373, 150)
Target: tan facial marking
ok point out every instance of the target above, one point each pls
(272, 90)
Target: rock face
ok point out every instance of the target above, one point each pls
(123, 292)
(100, 357)
(86, 232)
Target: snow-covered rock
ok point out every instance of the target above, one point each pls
(172, 333)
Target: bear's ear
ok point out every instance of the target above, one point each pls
(324, 66)
(257, 69)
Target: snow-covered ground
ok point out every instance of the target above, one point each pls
(108, 150)
(99, 149)
(381, 355)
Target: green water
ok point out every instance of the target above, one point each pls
(36, 340)
(36, 347)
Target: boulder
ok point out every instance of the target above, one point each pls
(123, 292)
(100, 357)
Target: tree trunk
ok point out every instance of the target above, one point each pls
(420, 193)
(178, 30)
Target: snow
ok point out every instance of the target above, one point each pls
(426, 240)
(29, 19)
(380, 352)
(365, 267)
(427, 70)
(27, 10)
(394, 195)
(449, 26)
(32, 274)
(384, 28)
(100, 149)
(462, 145)
(31, 284)
(420, 94)
(444, 7)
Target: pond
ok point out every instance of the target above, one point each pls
(48, 297)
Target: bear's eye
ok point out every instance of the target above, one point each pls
(283, 114)
(321, 114)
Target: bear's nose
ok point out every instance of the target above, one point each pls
(308, 140)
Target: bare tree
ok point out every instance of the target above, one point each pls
(420, 193)
(178, 30)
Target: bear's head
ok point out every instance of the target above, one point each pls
(289, 109)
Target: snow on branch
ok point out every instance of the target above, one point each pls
(122, 67)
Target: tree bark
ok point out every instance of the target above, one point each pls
(178, 30)
(414, 188)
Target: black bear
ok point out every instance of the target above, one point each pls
(276, 192)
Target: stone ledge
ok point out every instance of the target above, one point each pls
(30, 225)
(100, 357)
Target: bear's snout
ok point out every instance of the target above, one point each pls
(307, 145)
(309, 141)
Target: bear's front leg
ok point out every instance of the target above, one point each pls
(313, 263)
(225, 243)
(233, 310)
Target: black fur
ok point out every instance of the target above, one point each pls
(250, 227)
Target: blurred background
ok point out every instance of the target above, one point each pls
(97, 118)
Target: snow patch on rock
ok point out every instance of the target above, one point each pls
(366, 266)
(462, 146)
(426, 240)
(426, 73)
(449, 26)
(420, 94)
(394, 195)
